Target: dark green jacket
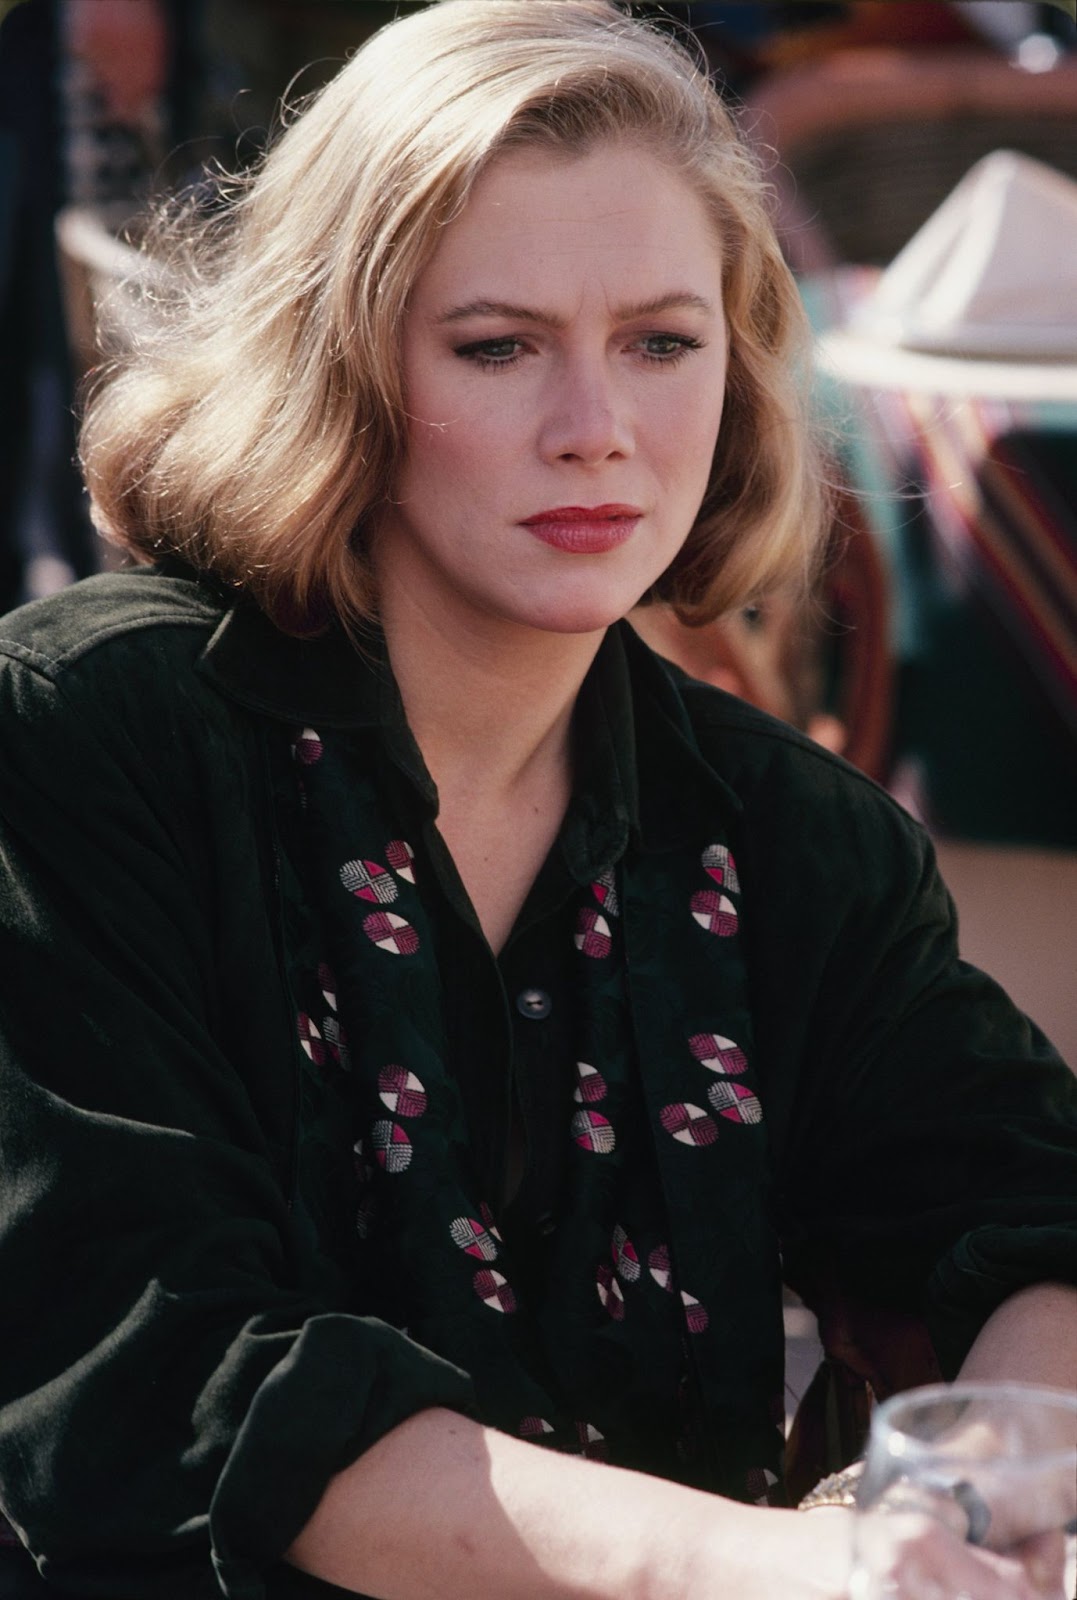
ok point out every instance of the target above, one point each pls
(171, 1338)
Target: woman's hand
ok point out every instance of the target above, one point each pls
(914, 1556)
(808, 1556)
(916, 1545)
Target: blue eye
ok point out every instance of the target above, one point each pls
(665, 348)
(491, 352)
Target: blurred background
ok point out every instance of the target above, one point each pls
(941, 652)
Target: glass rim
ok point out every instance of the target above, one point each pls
(959, 1393)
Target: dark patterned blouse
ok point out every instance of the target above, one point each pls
(297, 1156)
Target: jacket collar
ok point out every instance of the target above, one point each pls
(328, 680)
(645, 771)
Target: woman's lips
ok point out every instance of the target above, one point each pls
(584, 530)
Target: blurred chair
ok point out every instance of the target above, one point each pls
(870, 142)
(869, 1353)
(823, 663)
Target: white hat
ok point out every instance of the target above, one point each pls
(983, 298)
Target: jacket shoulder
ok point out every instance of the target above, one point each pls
(61, 632)
(99, 684)
(762, 757)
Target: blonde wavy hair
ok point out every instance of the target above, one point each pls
(261, 423)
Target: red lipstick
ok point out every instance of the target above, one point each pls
(584, 530)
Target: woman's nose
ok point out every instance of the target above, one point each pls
(587, 417)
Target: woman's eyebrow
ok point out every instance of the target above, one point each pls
(676, 300)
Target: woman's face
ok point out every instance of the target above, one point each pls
(564, 366)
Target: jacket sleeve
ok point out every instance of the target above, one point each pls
(927, 1129)
(173, 1397)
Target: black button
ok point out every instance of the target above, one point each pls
(545, 1223)
(534, 1003)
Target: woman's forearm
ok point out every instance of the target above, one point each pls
(1030, 1338)
(445, 1509)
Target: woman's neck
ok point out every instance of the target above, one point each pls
(487, 704)
(490, 708)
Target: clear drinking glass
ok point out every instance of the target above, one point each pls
(997, 1464)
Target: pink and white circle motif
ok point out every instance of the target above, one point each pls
(369, 881)
(734, 1102)
(610, 1293)
(590, 1085)
(658, 1266)
(604, 890)
(534, 1428)
(308, 747)
(336, 1041)
(401, 857)
(688, 1124)
(718, 864)
(469, 1235)
(401, 1091)
(592, 934)
(714, 912)
(392, 1147)
(695, 1315)
(718, 1054)
(328, 985)
(310, 1038)
(624, 1255)
(493, 1287)
(390, 932)
(593, 1132)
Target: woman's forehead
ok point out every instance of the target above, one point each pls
(544, 222)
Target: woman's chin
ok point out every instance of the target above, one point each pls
(572, 623)
(583, 613)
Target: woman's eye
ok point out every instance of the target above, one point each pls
(661, 348)
(667, 347)
(491, 352)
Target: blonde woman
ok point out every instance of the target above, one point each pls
(428, 1018)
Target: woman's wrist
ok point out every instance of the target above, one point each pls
(760, 1552)
(971, 1513)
